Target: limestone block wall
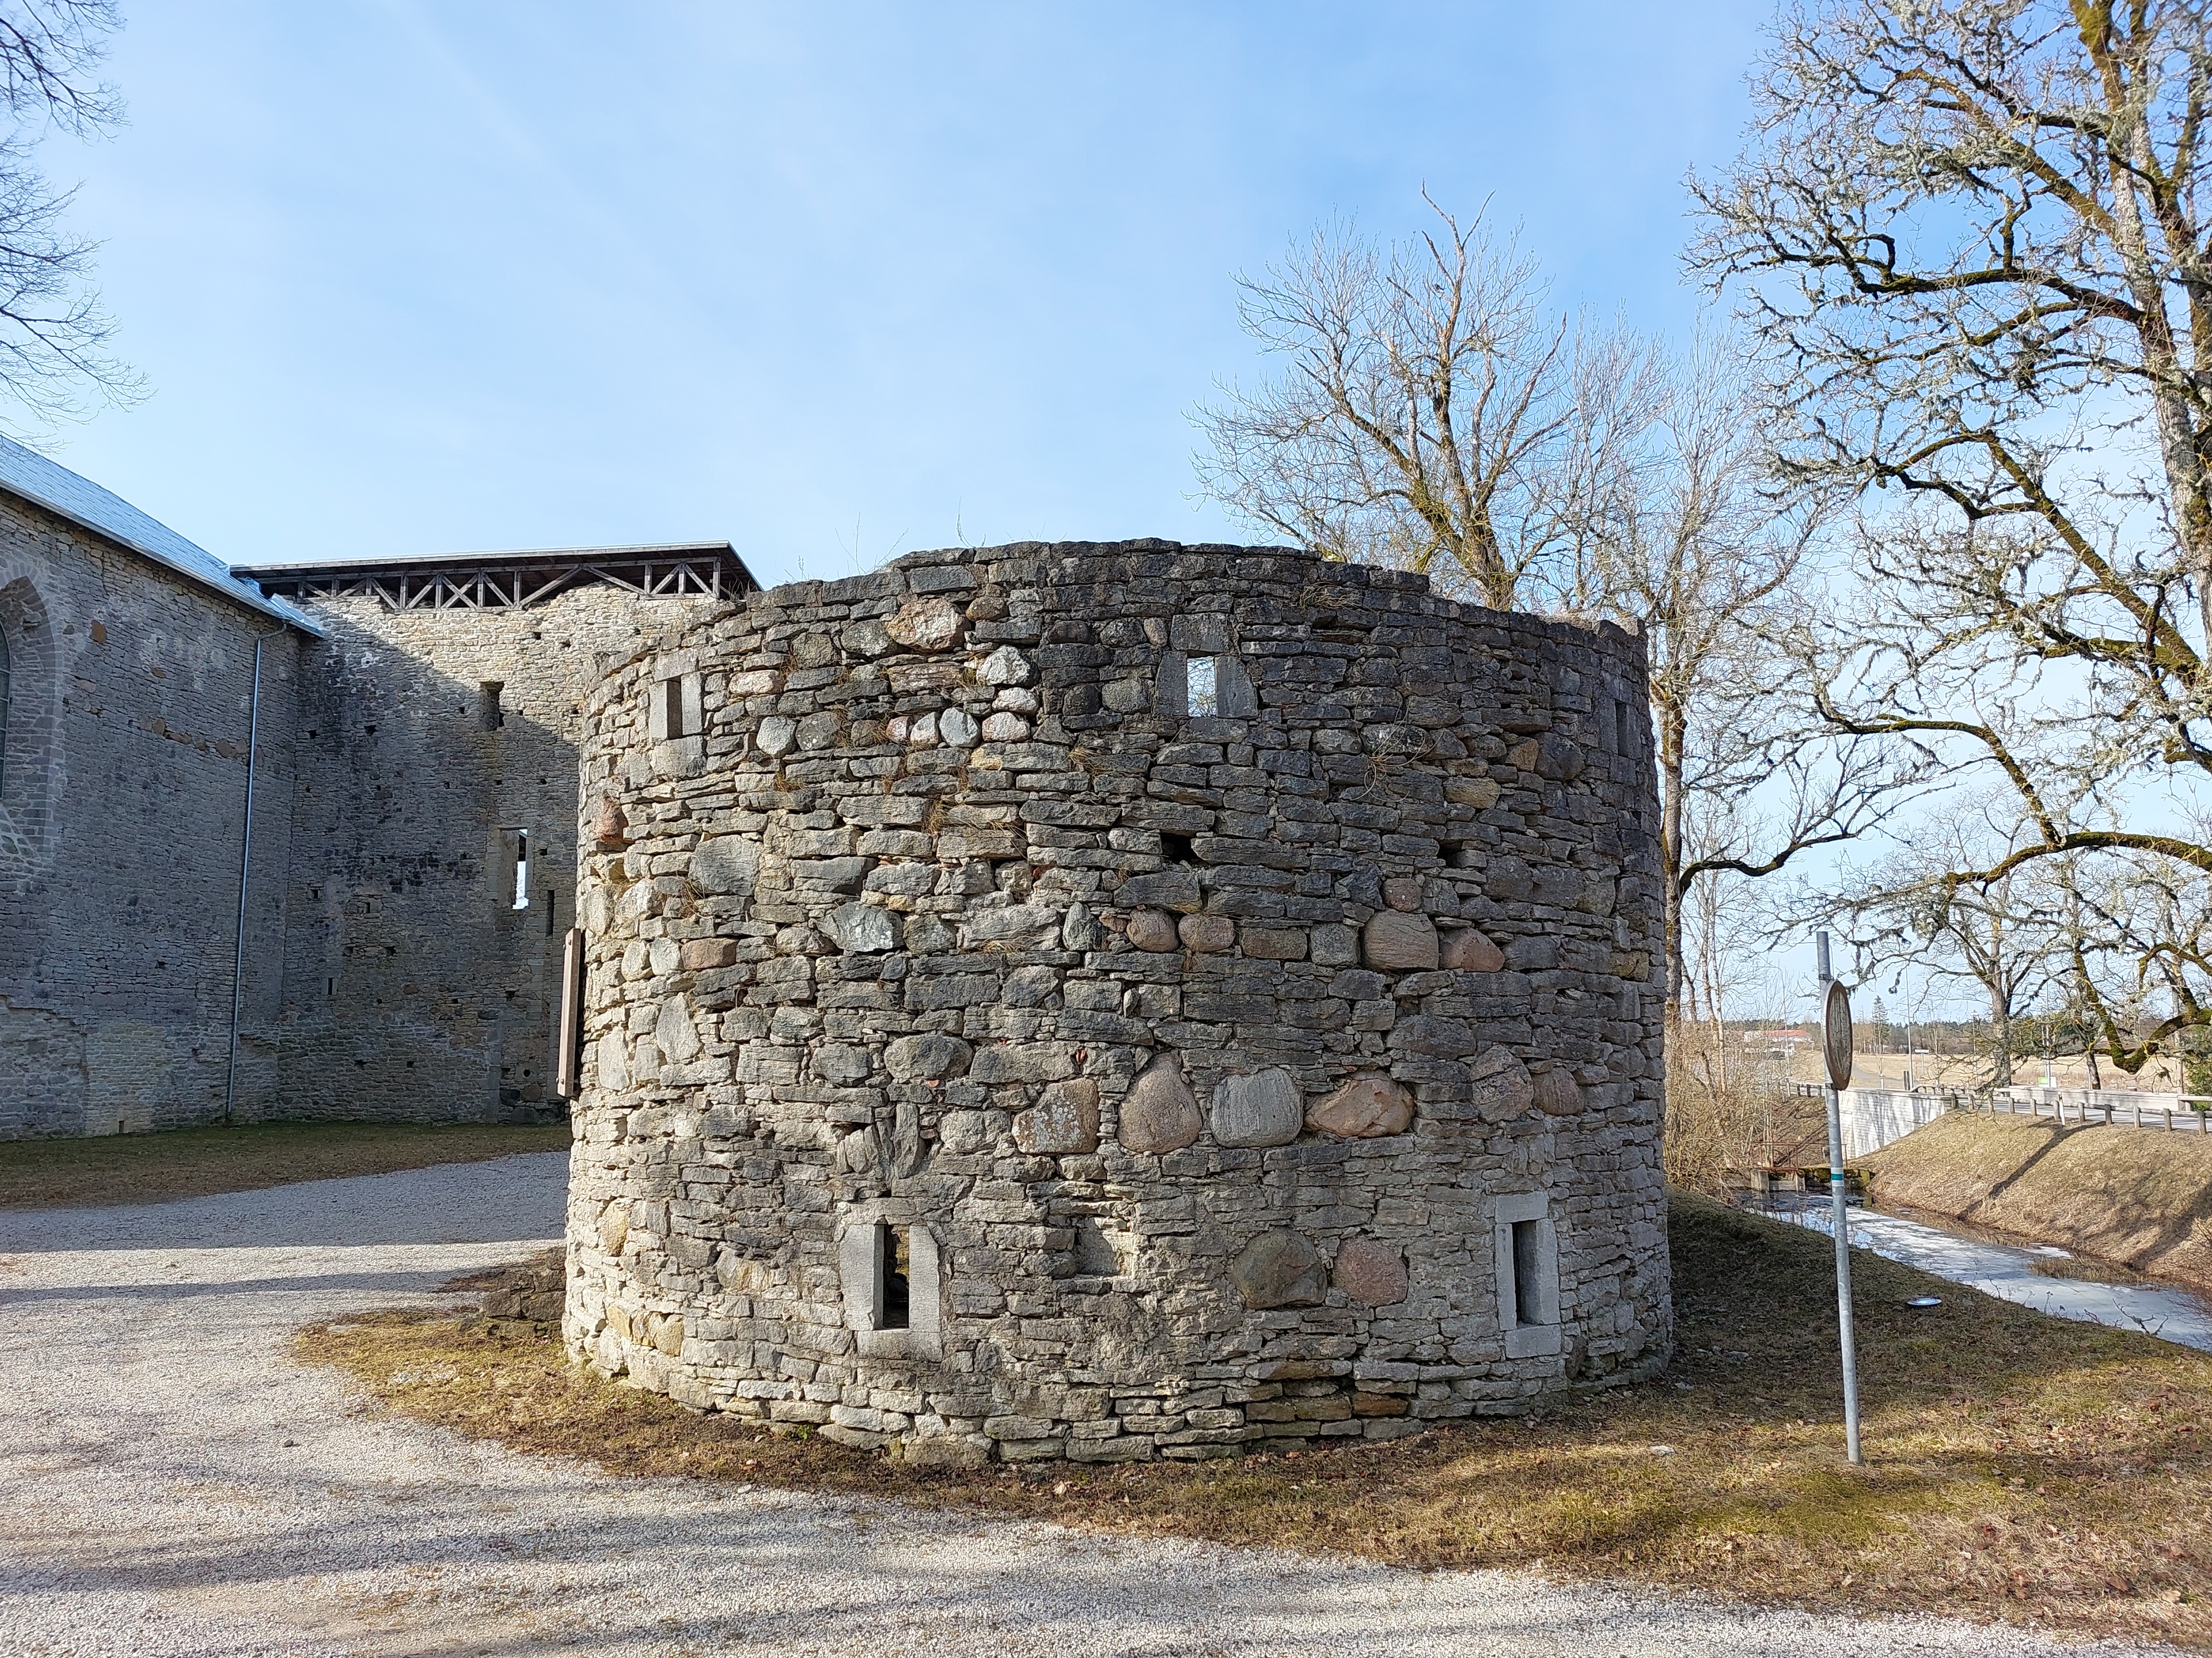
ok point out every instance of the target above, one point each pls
(122, 803)
(436, 748)
(1119, 1000)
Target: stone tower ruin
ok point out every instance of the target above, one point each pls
(1115, 1001)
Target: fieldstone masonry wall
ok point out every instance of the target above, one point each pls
(994, 1052)
(122, 805)
(437, 746)
(416, 739)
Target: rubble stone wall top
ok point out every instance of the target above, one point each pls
(1115, 1000)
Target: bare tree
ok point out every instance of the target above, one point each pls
(53, 334)
(2135, 936)
(1688, 537)
(1433, 414)
(2003, 936)
(1976, 235)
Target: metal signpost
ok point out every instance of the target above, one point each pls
(1835, 1048)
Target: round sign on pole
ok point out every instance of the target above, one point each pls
(1836, 1034)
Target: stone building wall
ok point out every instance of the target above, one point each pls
(992, 1052)
(415, 988)
(122, 799)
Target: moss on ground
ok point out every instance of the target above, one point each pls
(2020, 1467)
(192, 1163)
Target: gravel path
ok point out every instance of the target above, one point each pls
(172, 1485)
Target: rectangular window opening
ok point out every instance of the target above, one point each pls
(676, 707)
(1527, 1268)
(522, 869)
(894, 1262)
(1201, 687)
(489, 717)
(1624, 731)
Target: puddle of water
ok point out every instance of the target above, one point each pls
(2020, 1273)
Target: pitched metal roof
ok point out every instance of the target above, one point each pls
(47, 484)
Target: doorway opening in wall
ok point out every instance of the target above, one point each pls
(521, 869)
(1527, 1267)
(893, 1263)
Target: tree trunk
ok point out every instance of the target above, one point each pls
(2001, 1017)
(1673, 730)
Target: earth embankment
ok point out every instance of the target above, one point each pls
(2140, 1197)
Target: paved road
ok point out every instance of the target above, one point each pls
(171, 1485)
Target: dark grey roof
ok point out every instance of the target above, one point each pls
(48, 484)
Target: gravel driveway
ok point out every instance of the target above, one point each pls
(170, 1485)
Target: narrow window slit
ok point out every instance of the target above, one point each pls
(1201, 689)
(893, 1263)
(1527, 1242)
(676, 710)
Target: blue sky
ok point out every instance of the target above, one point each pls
(831, 282)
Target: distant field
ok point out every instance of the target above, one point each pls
(192, 1162)
(1971, 1070)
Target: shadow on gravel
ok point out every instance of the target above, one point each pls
(518, 1199)
(2020, 1467)
(762, 1569)
(192, 1162)
(423, 1283)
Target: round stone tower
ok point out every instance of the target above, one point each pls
(1117, 1001)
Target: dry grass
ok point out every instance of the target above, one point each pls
(2142, 1197)
(1725, 1116)
(2021, 1467)
(192, 1162)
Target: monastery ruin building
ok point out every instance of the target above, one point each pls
(390, 948)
